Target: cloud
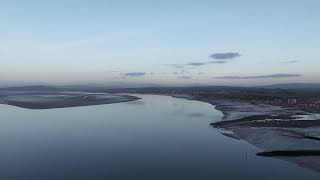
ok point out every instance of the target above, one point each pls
(134, 74)
(205, 63)
(185, 77)
(182, 72)
(197, 63)
(175, 65)
(225, 56)
(262, 76)
(178, 66)
(219, 58)
(292, 61)
(218, 62)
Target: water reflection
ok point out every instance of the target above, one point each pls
(138, 102)
(196, 115)
(148, 140)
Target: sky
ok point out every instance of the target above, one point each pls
(171, 42)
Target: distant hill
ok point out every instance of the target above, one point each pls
(29, 88)
(109, 85)
(304, 86)
(120, 85)
(82, 87)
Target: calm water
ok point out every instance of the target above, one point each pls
(157, 137)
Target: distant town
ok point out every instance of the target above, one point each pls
(306, 99)
(303, 99)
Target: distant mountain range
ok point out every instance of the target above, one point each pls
(311, 86)
(80, 87)
(119, 85)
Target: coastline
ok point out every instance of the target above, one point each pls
(271, 129)
(236, 109)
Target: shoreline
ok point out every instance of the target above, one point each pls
(53, 100)
(233, 110)
(276, 131)
(271, 129)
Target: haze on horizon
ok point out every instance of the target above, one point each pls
(160, 42)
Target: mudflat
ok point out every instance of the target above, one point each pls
(50, 100)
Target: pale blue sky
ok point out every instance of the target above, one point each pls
(78, 41)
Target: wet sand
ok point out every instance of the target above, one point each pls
(277, 131)
(50, 100)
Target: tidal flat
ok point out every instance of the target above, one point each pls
(51, 100)
(292, 132)
(151, 136)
